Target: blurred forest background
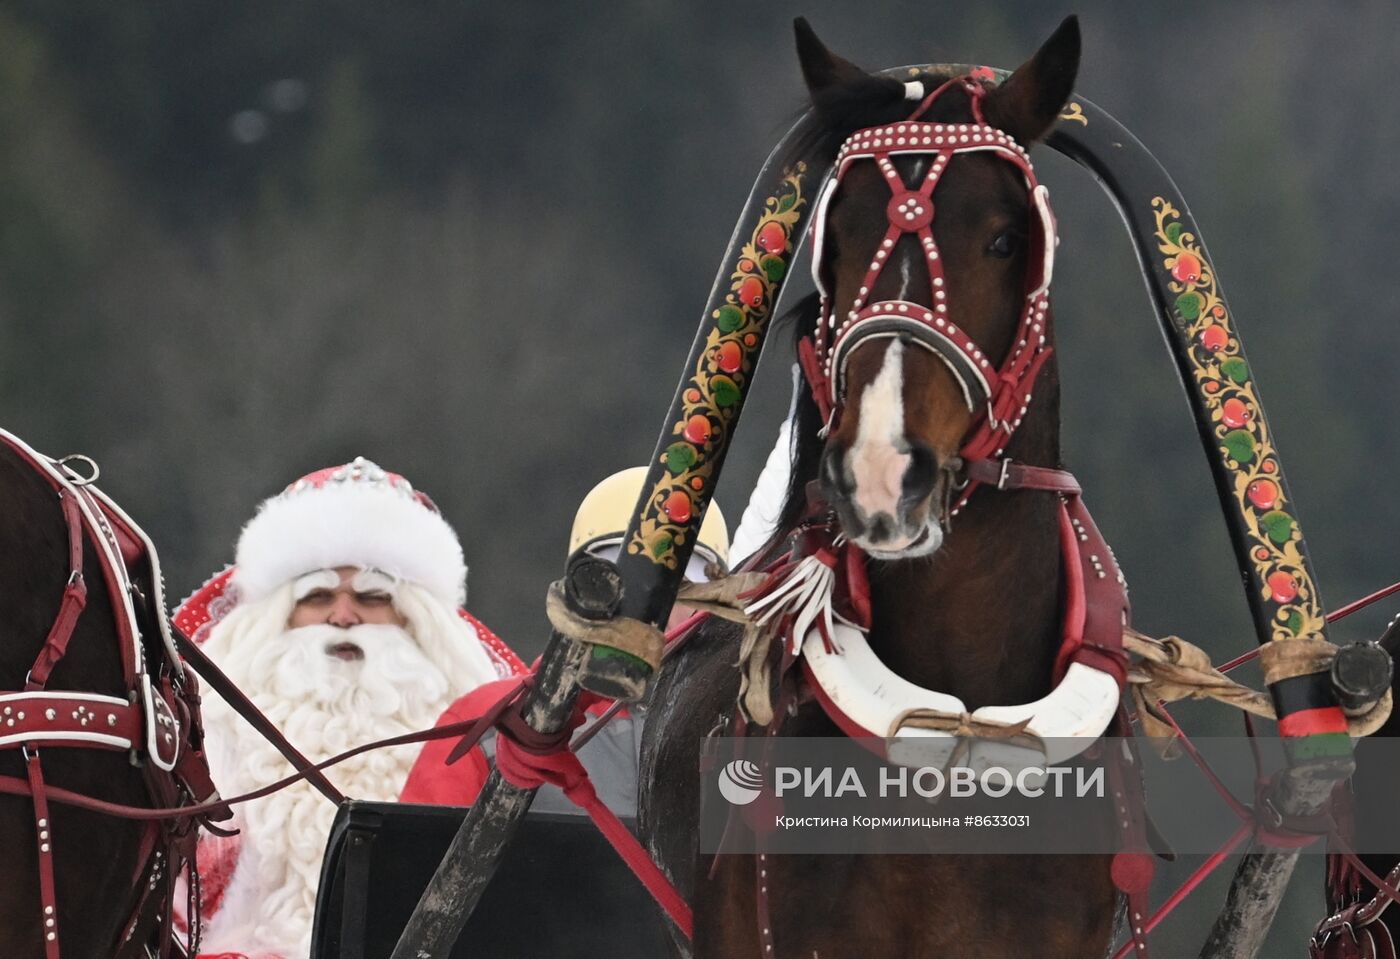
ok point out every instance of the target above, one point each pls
(241, 241)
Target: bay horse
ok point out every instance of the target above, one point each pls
(92, 701)
(967, 590)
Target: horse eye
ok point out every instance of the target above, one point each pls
(1004, 245)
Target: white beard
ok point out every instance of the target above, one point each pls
(324, 706)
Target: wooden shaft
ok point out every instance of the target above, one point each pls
(1250, 905)
(470, 861)
(1263, 874)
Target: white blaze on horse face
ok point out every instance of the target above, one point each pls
(879, 460)
(880, 457)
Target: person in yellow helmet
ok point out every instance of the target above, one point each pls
(601, 522)
(610, 756)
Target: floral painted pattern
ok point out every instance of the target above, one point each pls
(1231, 399)
(711, 400)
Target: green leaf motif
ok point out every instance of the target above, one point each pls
(1236, 369)
(662, 546)
(1239, 444)
(729, 317)
(1189, 305)
(774, 268)
(679, 458)
(1278, 525)
(726, 391)
(1174, 232)
(786, 201)
(1295, 622)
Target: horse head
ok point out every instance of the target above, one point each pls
(932, 250)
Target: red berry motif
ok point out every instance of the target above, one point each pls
(750, 340)
(1263, 493)
(692, 396)
(677, 507)
(697, 484)
(1187, 269)
(747, 266)
(772, 238)
(729, 357)
(1282, 587)
(1236, 413)
(751, 292)
(1269, 466)
(1212, 387)
(697, 429)
(1214, 338)
(1261, 554)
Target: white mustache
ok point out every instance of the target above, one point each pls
(394, 672)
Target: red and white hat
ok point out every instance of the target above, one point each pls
(352, 515)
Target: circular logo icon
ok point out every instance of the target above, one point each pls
(740, 782)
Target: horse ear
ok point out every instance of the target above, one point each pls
(821, 68)
(1028, 102)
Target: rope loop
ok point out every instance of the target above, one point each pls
(1171, 669)
(639, 639)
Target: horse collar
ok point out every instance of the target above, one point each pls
(825, 629)
(1002, 393)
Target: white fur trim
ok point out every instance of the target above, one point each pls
(349, 525)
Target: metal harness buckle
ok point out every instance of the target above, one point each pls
(1005, 471)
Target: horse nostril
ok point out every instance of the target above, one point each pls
(881, 528)
(921, 474)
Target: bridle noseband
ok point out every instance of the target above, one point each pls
(1002, 393)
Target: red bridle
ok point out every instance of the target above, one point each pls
(1001, 393)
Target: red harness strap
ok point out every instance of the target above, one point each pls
(526, 769)
(74, 598)
(1133, 865)
(48, 894)
(54, 648)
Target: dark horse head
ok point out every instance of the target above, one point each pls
(965, 238)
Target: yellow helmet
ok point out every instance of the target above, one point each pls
(602, 518)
